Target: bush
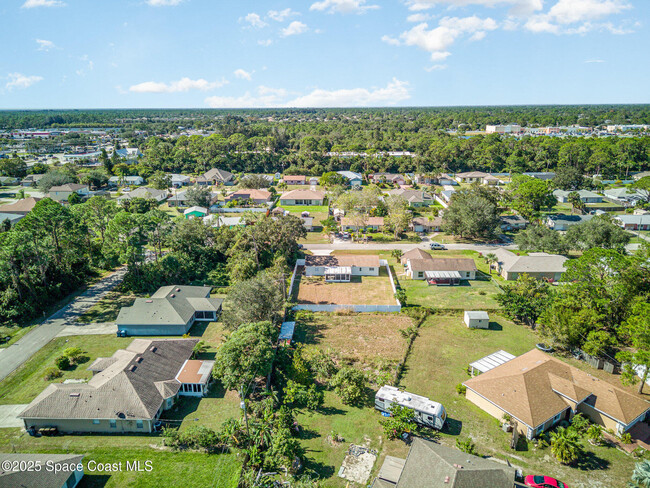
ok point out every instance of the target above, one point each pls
(580, 424)
(73, 353)
(52, 373)
(467, 446)
(62, 362)
(626, 438)
(461, 389)
(349, 384)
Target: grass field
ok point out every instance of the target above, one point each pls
(469, 295)
(362, 338)
(361, 290)
(437, 364)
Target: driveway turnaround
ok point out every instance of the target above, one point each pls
(8, 415)
(23, 349)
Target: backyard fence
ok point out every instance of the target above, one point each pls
(384, 262)
(299, 262)
(215, 209)
(351, 308)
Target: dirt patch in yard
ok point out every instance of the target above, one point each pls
(361, 290)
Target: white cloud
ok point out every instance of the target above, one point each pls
(266, 97)
(44, 45)
(294, 28)
(396, 91)
(43, 3)
(265, 42)
(343, 6)
(255, 20)
(183, 85)
(20, 81)
(438, 40)
(242, 74)
(571, 11)
(281, 15)
(436, 67)
(266, 90)
(517, 7)
(418, 17)
(163, 3)
(390, 40)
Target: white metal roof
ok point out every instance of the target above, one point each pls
(410, 400)
(442, 274)
(339, 270)
(492, 361)
(477, 315)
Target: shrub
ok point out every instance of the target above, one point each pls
(626, 438)
(62, 362)
(52, 373)
(580, 424)
(73, 353)
(400, 421)
(467, 446)
(349, 384)
(595, 434)
(461, 389)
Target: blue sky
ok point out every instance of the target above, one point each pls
(230, 54)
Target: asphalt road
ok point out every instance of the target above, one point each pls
(23, 349)
(348, 246)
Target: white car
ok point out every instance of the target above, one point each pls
(436, 246)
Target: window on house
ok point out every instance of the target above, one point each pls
(371, 269)
(557, 417)
(139, 424)
(113, 424)
(95, 421)
(420, 274)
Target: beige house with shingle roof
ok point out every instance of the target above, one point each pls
(302, 197)
(21, 207)
(128, 392)
(538, 265)
(538, 391)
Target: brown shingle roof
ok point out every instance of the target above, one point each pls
(415, 253)
(343, 260)
(23, 206)
(531, 388)
(379, 221)
(303, 195)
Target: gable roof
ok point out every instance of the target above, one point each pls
(415, 253)
(368, 221)
(68, 187)
(132, 386)
(23, 206)
(343, 260)
(218, 174)
(535, 262)
(303, 195)
(533, 388)
(472, 174)
(294, 177)
(145, 192)
(250, 194)
(432, 465)
(42, 478)
(442, 264)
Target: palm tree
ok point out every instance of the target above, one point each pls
(565, 446)
(575, 201)
(491, 259)
(595, 434)
(641, 475)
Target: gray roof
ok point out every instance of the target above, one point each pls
(133, 386)
(12, 217)
(350, 175)
(574, 219)
(145, 192)
(286, 331)
(218, 174)
(633, 219)
(582, 193)
(37, 479)
(477, 315)
(170, 305)
(535, 262)
(431, 465)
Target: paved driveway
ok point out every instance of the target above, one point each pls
(8, 415)
(23, 349)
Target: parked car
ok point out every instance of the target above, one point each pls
(538, 481)
(436, 246)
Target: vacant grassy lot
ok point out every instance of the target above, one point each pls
(358, 337)
(107, 309)
(175, 468)
(437, 364)
(319, 212)
(361, 290)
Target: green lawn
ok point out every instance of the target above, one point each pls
(169, 468)
(437, 364)
(469, 295)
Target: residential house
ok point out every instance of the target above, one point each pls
(295, 179)
(8, 181)
(21, 207)
(492, 180)
(127, 393)
(313, 181)
(423, 224)
(146, 193)
(445, 179)
(446, 195)
(195, 212)
(540, 175)
(216, 176)
(370, 223)
(415, 253)
(302, 197)
(12, 218)
(31, 180)
(586, 196)
(626, 196)
(433, 465)
(129, 153)
(126, 180)
(354, 179)
(513, 222)
(415, 198)
(178, 180)
(180, 199)
(172, 310)
(538, 391)
(441, 271)
(539, 265)
(215, 220)
(62, 193)
(259, 197)
(342, 268)
(387, 178)
(471, 176)
(41, 476)
(562, 222)
(628, 222)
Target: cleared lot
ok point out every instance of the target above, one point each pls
(362, 290)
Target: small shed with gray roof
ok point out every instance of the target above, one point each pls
(475, 319)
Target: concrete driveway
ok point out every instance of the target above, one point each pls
(8, 416)
(100, 328)
(23, 349)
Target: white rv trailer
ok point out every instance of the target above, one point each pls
(427, 412)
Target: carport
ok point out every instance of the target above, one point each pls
(338, 274)
(442, 277)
